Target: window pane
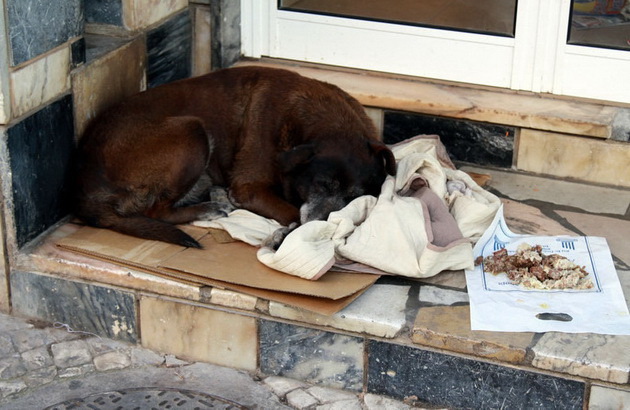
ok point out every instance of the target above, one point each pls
(600, 23)
(483, 16)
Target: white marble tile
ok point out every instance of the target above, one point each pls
(40, 81)
(592, 198)
(107, 80)
(380, 311)
(604, 398)
(601, 357)
(376, 115)
(233, 299)
(439, 296)
(139, 14)
(202, 40)
(197, 333)
(567, 156)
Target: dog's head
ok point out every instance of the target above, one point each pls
(321, 181)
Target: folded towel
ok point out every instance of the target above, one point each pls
(424, 221)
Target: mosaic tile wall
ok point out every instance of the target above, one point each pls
(36, 27)
(63, 62)
(257, 342)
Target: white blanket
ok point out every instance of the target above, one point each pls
(408, 230)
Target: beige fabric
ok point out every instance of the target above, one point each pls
(244, 225)
(392, 233)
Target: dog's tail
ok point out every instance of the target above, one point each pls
(147, 228)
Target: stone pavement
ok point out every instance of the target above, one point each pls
(53, 367)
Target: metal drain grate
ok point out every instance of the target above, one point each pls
(148, 398)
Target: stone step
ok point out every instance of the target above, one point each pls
(494, 106)
(567, 138)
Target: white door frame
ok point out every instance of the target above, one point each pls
(537, 59)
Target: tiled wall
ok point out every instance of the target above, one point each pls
(63, 62)
(249, 340)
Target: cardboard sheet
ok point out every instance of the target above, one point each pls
(222, 263)
(236, 262)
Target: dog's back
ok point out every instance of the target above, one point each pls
(140, 158)
(129, 173)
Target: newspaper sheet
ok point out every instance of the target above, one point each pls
(498, 304)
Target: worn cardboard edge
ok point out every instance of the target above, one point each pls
(233, 262)
(311, 303)
(237, 263)
(314, 303)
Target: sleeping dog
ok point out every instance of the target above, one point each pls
(285, 146)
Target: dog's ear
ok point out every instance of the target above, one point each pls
(288, 160)
(381, 150)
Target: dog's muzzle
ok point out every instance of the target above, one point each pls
(320, 208)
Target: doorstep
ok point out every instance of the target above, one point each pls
(575, 139)
(518, 109)
(400, 338)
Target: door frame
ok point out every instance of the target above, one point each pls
(536, 59)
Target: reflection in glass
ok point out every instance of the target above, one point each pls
(484, 16)
(601, 23)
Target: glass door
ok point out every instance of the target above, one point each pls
(603, 23)
(594, 62)
(533, 45)
(481, 16)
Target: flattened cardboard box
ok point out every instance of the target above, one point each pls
(223, 263)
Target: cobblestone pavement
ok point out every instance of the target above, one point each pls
(52, 367)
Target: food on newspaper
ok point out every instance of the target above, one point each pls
(533, 269)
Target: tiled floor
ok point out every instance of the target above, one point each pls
(401, 338)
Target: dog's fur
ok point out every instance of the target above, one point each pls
(287, 147)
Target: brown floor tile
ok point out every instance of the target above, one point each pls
(616, 231)
(448, 328)
(451, 278)
(197, 333)
(525, 219)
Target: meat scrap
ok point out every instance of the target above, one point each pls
(530, 267)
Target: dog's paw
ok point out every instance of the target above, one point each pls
(215, 210)
(274, 240)
(220, 196)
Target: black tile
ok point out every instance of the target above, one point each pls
(40, 151)
(311, 355)
(225, 33)
(169, 50)
(455, 382)
(78, 52)
(96, 46)
(36, 26)
(89, 308)
(104, 12)
(466, 141)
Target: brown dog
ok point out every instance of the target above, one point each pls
(287, 147)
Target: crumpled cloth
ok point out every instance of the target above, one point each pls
(424, 221)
